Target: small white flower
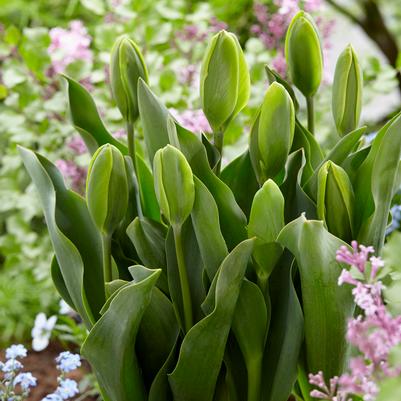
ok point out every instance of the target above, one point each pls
(67, 389)
(25, 380)
(42, 331)
(16, 351)
(66, 361)
(65, 309)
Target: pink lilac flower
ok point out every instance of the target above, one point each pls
(374, 334)
(69, 45)
(120, 133)
(272, 22)
(77, 145)
(217, 25)
(188, 74)
(193, 120)
(279, 63)
(74, 174)
(191, 33)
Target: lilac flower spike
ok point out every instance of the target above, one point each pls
(69, 45)
(374, 334)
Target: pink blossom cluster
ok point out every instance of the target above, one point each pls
(374, 334)
(272, 23)
(193, 120)
(74, 174)
(69, 45)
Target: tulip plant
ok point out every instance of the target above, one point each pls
(203, 283)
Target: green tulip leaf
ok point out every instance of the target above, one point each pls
(240, 177)
(121, 380)
(337, 155)
(285, 335)
(374, 184)
(205, 220)
(195, 376)
(326, 305)
(86, 119)
(158, 331)
(75, 239)
(250, 325)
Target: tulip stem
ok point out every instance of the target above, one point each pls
(218, 138)
(131, 143)
(132, 153)
(106, 245)
(254, 370)
(182, 271)
(311, 114)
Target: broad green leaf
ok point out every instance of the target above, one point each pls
(285, 335)
(154, 120)
(375, 182)
(160, 388)
(122, 379)
(240, 177)
(296, 200)
(158, 331)
(59, 282)
(86, 119)
(250, 325)
(337, 155)
(313, 153)
(75, 239)
(197, 370)
(232, 218)
(149, 239)
(205, 220)
(326, 305)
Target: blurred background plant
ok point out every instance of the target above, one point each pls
(39, 40)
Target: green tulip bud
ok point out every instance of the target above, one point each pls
(107, 188)
(335, 200)
(275, 130)
(126, 67)
(347, 92)
(224, 82)
(304, 54)
(174, 184)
